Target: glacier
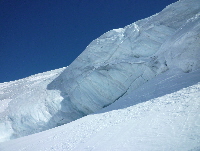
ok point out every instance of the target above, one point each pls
(122, 69)
(169, 122)
(121, 60)
(26, 105)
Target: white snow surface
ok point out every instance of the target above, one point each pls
(133, 88)
(26, 105)
(170, 122)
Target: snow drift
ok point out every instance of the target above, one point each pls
(113, 66)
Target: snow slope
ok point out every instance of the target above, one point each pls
(166, 83)
(125, 69)
(26, 105)
(170, 122)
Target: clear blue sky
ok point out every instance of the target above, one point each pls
(41, 35)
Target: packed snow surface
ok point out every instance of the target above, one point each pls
(133, 88)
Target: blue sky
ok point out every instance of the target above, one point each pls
(42, 35)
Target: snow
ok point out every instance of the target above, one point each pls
(169, 122)
(118, 61)
(166, 83)
(120, 30)
(24, 105)
(133, 88)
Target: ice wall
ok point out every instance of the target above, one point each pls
(123, 59)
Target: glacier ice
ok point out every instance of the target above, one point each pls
(169, 122)
(110, 67)
(124, 59)
(26, 105)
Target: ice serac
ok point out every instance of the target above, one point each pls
(111, 66)
(123, 59)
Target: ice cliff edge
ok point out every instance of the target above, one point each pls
(123, 59)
